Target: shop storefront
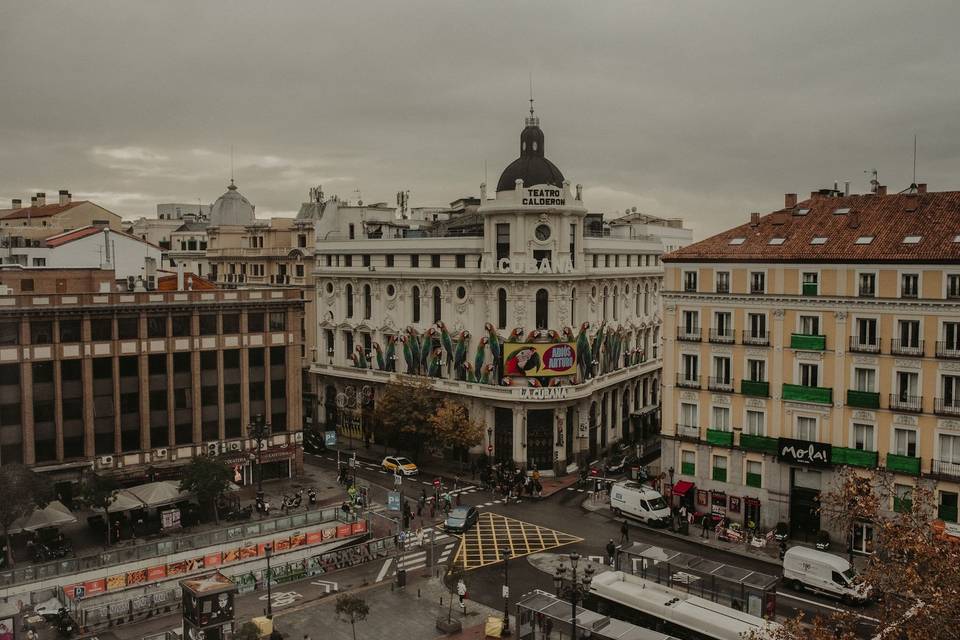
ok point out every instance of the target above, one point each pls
(540, 439)
(278, 462)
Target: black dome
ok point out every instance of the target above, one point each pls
(531, 167)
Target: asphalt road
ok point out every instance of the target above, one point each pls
(563, 512)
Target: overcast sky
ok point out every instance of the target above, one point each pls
(703, 110)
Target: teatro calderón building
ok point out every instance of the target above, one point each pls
(543, 318)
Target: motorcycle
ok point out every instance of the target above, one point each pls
(292, 502)
(66, 627)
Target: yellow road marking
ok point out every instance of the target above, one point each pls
(495, 533)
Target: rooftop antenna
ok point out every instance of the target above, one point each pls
(531, 93)
(874, 183)
(914, 159)
(532, 120)
(231, 164)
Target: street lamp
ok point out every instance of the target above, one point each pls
(506, 594)
(268, 550)
(578, 589)
(259, 429)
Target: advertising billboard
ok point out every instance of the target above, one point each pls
(535, 360)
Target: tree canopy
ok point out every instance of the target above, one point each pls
(21, 492)
(208, 479)
(453, 426)
(403, 411)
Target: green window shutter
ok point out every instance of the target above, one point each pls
(947, 514)
(808, 343)
(854, 457)
(864, 399)
(762, 444)
(754, 480)
(751, 388)
(720, 438)
(902, 505)
(809, 288)
(903, 464)
(688, 468)
(720, 475)
(800, 393)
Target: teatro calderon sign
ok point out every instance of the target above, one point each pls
(540, 197)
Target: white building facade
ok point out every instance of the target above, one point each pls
(526, 308)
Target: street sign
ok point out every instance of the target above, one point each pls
(506, 592)
(393, 500)
(330, 438)
(397, 479)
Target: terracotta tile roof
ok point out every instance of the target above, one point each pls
(169, 283)
(70, 236)
(45, 211)
(934, 218)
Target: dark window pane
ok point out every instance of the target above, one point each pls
(208, 324)
(254, 322)
(9, 374)
(71, 370)
(41, 332)
(278, 356)
(69, 330)
(156, 326)
(231, 359)
(101, 329)
(9, 333)
(102, 368)
(129, 366)
(208, 360)
(128, 328)
(231, 323)
(255, 357)
(278, 321)
(180, 326)
(42, 372)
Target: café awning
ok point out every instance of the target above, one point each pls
(55, 514)
(157, 494)
(682, 487)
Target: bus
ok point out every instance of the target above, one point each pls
(645, 603)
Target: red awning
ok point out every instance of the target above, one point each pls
(682, 487)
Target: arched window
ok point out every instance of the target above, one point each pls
(573, 307)
(606, 294)
(367, 302)
(543, 308)
(638, 300)
(646, 300)
(616, 301)
(349, 300)
(501, 308)
(436, 304)
(416, 304)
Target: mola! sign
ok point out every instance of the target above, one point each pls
(810, 454)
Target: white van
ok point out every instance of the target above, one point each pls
(806, 568)
(640, 501)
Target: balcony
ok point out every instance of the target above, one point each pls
(756, 388)
(687, 431)
(903, 402)
(688, 335)
(720, 384)
(863, 399)
(761, 444)
(946, 407)
(864, 344)
(688, 382)
(867, 291)
(721, 337)
(854, 457)
(808, 342)
(756, 338)
(903, 464)
(811, 288)
(800, 393)
(906, 348)
(720, 438)
(950, 350)
(945, 470)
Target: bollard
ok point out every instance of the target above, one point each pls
(418, 593)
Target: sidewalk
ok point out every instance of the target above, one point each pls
(769, 553)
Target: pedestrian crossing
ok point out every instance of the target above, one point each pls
(414, 560)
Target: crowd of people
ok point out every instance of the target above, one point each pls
(510, 482)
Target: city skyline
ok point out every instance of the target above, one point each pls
(652, 114)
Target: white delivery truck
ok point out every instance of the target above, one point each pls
(806, 568)
(640, 501)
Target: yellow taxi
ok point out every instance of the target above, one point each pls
(400, 465)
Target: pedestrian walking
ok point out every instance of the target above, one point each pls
(611, 552)
(624, 532)
(783, 549)
(705, 523)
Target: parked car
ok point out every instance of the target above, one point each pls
(619, 464)
(806, 568)
(640, 501)
(400, 465)
(461, 519)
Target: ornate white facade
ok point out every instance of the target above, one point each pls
(530, 265)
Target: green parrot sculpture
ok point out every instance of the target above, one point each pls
(480, 354)
(381, 363)
(460, 353)
(391, 354)
(583, 352)
(446, 341)
(408, 354)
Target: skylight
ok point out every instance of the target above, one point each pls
(841, 211)
(864, 239)
(819, 240)
(801, 212)
(912, 239)
(956, 238)
(737, 240)
(776, 241)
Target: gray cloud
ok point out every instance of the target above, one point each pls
(705, 110)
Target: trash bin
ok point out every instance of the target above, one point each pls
(684, 527)
(401, 577)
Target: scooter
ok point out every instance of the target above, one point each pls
(66, 627)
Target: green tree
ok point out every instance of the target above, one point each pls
(99, 492)
(404, 408)
(21, 492)
(453, 427)
(352, 609)
(248, 631)
(208, 479)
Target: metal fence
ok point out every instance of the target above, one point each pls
(164, 547)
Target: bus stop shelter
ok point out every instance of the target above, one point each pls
(751, 591)
(541, 614)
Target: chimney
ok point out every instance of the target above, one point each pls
(814, 195)
(64, 197)
(17, 203)
(754, 218)
(846, 188)
(789, 200)
(911, 204)
(41, 199)
(882, 190)
(853, 219)
(180, 276)
(921, 188)
(33, 201)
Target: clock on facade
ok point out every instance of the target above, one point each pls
(542, 232)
